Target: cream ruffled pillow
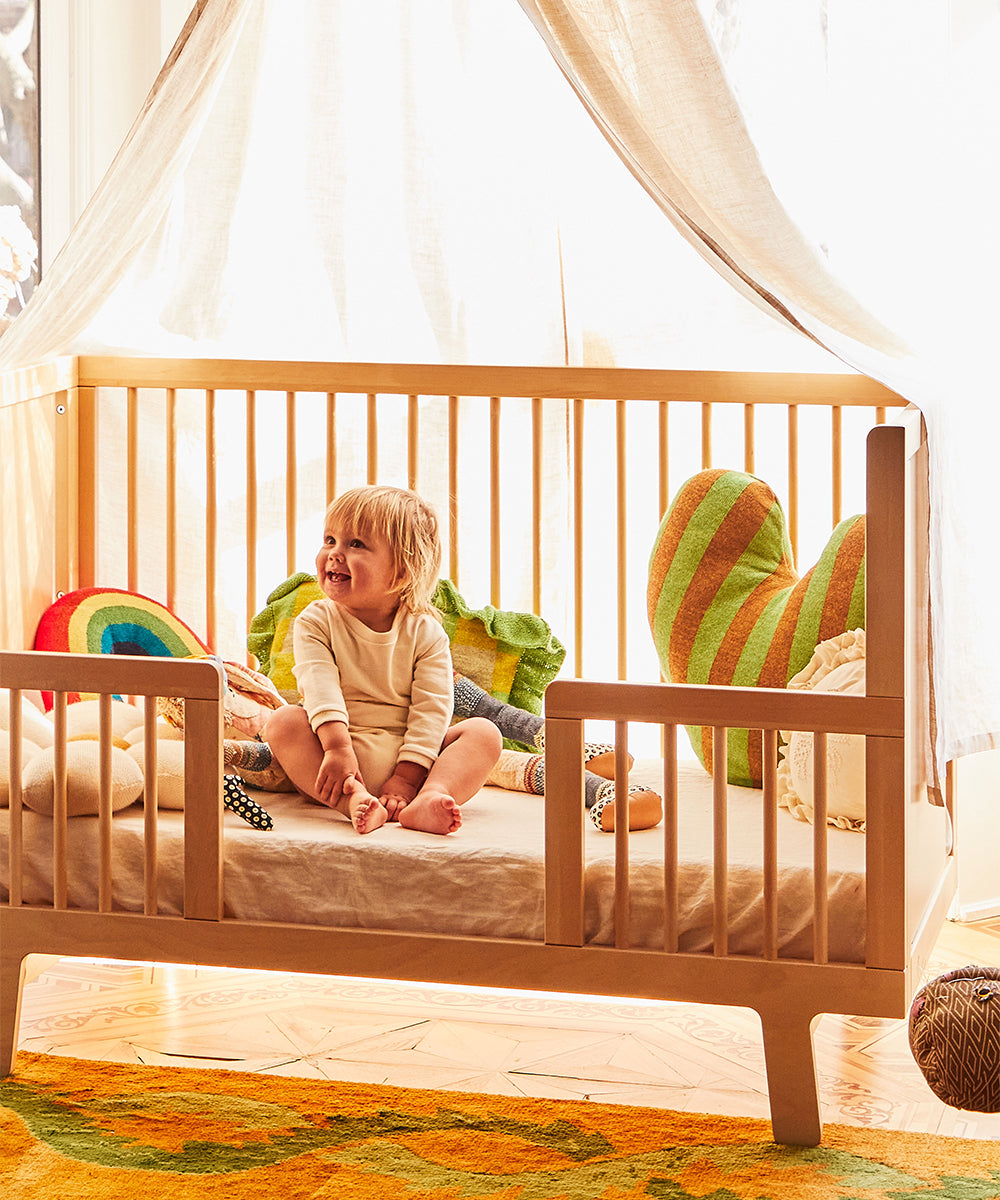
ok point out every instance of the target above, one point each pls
(838, 665)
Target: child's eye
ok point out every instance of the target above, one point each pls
(357, 544)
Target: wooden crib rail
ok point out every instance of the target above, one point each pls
(541, 435)
(569, 703)
(200, 683)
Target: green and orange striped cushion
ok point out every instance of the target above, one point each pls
(727, 606)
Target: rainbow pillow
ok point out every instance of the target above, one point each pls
(726, 605)
(108, 621)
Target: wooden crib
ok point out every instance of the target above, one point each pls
(557, 465)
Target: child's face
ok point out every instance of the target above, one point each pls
(358, 574)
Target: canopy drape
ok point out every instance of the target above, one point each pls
(650, 77)
(301, 185)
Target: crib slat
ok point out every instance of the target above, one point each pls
(537, 460)
(495, 501)
(720, 824)
(793, 479)
(59, 816)
(291, 493)
(372, 437)
(670, 869)
(331, 446)
(769, 798)
(749, 439)
(663, 441)
(706, 435)
(151, 883)
(104, 805)
(412, 441)
(250, 554)
(15, 848)
(211, 518)
(837, 463)
(621, 509)
(578, 433)
(170, 454)
(821, 942)
(453, 487)
(622, 895)
(132, 487)
(87, 467)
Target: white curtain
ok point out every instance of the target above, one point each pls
(300, 184)
(440, 195)
(924, 253)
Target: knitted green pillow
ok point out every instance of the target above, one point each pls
(270, 636)
(726, 605)
(513, 656)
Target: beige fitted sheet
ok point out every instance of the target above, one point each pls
(486, 879)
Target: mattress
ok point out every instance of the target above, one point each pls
(487, 879)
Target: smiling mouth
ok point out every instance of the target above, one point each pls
(337, 577)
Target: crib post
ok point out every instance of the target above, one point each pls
(12, 974)
(790, 1058)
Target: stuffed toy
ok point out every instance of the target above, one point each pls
(727, 606)
(127, 764)
(837, 665)
(109, 621)
(954, 1035)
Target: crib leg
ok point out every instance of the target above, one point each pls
(791, 1078)
(12, 973)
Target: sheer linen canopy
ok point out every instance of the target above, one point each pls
(412, 180)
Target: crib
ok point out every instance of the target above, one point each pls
(557, 465)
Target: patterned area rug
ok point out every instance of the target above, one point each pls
(72, 1130)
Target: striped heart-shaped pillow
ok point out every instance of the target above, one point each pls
(726, 605)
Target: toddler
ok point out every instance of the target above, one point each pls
(372, 737)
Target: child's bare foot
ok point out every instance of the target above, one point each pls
(432, 813)
(364, 809)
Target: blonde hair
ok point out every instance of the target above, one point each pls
(407, 524)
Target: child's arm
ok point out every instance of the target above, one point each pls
(339, 762)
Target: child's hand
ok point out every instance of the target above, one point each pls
(396, 795)
(335, 768)
(401, 786)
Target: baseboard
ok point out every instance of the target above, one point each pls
(982, 910)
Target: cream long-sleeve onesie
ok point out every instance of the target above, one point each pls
(394, 690)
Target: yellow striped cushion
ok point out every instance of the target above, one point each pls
(727, 606)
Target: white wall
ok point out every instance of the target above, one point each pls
(977, 803)
(97, 62)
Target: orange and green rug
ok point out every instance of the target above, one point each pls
(76, 1130)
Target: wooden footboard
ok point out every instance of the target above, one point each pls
(909, 871)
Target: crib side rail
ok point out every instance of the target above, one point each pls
(569, 703)
(200, 684)
(223, 470)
